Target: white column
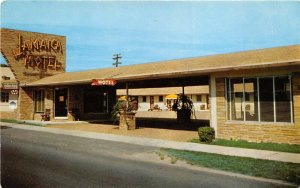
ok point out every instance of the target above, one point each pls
(213, 103)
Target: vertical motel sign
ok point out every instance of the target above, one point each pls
(103, 82)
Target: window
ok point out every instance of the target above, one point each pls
(236, 95)
(39, 101)
(266, 99)
(4, 96)
(94, 101)
(198, 98)
(5, 78)
(144, 99)
(160, 98)
(251, 99)
(283, 99)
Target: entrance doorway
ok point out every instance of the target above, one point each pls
(61, 103)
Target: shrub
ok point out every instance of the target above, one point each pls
(206, 134)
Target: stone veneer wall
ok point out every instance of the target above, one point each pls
(8, 115)
(260, 132)
(25, 104)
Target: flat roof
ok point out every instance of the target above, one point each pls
(270, 57)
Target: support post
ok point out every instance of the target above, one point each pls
(127, 91)
(127, 103)
(213, 103)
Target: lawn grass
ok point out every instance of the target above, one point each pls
(254, 167)
(291, 148)
(19, 122)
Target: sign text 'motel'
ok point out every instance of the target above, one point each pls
(103, 82)
(25, 49)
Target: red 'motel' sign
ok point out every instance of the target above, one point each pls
(103, 82)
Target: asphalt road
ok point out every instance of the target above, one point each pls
(35, 159)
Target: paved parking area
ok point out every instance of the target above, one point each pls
(166, 134)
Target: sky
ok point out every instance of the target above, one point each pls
(150, 31)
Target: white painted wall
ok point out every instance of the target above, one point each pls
(160, 104)
(198, 104)
(144, 106)
(5, 107)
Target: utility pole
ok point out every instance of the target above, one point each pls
(116, 57)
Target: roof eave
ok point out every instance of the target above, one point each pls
(174, 74)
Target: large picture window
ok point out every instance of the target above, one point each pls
(251, 99)
(283, 99)
(39, 103)
(236, 95)
(266, 98)
(95, 101)
(263, 99)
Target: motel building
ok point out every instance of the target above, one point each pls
(252, 95)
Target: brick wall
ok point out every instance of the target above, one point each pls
(25, 104)
(278, 133)
(296, 99)
(8, 115)
(258, 132)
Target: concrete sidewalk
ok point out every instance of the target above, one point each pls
(241, 152)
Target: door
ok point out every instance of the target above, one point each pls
(151, 102)
(61, 102)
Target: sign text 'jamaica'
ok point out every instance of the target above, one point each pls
(28, 50)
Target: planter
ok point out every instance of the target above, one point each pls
(183, 116)
(127, 121)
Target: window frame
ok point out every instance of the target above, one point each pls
(160, 98)
(198, 97)
(5, 96)
(229, 99)
(41, 99)
(144, 98)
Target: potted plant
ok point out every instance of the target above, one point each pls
(123, 112)
(184, 108)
